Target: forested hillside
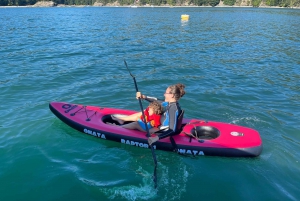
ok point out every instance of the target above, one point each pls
(255, 3)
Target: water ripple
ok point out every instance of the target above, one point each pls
(240, 65)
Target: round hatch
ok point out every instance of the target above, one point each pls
(205, 132)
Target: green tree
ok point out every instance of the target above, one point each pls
(229, 2)
(171, 2)
(272, 2)
(199, 2)
(59, 1)
(256, 3)
(214, 2)
(3, 2)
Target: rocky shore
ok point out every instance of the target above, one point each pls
(244, 3)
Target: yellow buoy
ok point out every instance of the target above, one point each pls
(185, 17)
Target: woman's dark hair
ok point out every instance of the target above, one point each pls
(177, 90)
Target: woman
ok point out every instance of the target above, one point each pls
(172, 110)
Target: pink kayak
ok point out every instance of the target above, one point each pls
(197, 137)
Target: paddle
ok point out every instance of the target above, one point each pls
(147, 129)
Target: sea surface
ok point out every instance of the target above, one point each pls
(239, 65)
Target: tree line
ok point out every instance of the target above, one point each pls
(255, 3)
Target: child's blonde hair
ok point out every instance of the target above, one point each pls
(156, 106)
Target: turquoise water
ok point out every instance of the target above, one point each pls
(240, 65)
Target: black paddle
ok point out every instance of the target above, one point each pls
(147, 129)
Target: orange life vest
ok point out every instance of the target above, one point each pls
(153, 119)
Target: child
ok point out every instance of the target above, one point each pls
(152, 114)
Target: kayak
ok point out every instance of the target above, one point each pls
(197, 137)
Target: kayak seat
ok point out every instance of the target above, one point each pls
(178, 126)
(179, 122)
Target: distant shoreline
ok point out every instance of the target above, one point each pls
(221, 5)
(146, 6)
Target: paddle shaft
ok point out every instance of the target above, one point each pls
(141, 106)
